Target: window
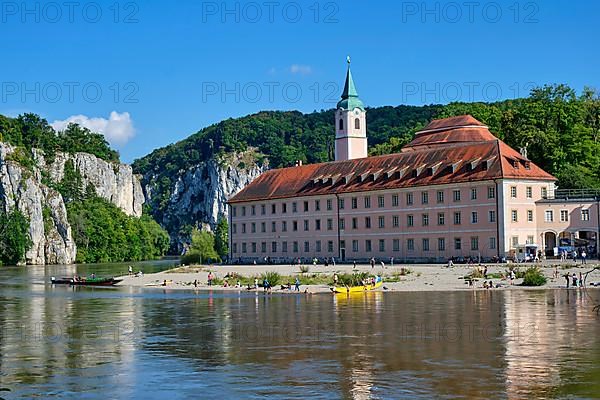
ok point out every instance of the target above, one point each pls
(253, 210)
(474, 217)
(381, 222)
(317, 225)
(343, 244)
(284, 208)
(529, 240)
(354, 203)
(317, 205)
(585, 215)
(273, 226)
(425, 244)
(295, 247)
(425, 219)
(367, 202)
(234, 211)
(294, 207)
(295, 226)
(357, 123)
(284, 247)
(329, 205)
(395, 221)
(440, 196)
(409, 199)
(354, 223)
(342, 223)
(274, 247)
(457, 244)
(456, 195)
(263, 227)
(254, 247)
(457, 218)
(544, 193)
(529, 215)
(410, 220)
(442, 244)
(263, 209)
(306, 247)
(473, 193)
(395, 200)
(243, 228)
(341, 125)
(529, 192)
(513, 192)
(368, 222)
(380, 201)
(549, 216)
(368, 246)
(424, 197)
(306, 225)
(341, 204)
(253, 228)
(515, 241)
(263, 247)
(514, 215)
(273, 208)
(330, 246)
(492, 216)
(234, 228)
(410, 244)
(491, 192)
(355, 246)
(244, 249)
(244, 211)
(475, 243)
(329, 224)
(235, 247)
(564, 216)
(396, 245)
(381, 245)
(306, 206)
(441, 219)
(492, 243)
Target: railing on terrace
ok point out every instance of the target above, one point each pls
(574, 194)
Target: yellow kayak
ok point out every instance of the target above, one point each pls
(357, 289)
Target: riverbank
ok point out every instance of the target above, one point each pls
(318, 279)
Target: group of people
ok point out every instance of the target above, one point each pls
(582, 255)
(575, 280)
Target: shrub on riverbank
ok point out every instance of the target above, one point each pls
(534, 277)
(273, 277)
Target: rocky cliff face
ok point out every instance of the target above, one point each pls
(199, 195)
(21, 188)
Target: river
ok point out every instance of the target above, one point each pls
(114, 343)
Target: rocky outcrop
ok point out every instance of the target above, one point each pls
(199, 194)
(22, 188)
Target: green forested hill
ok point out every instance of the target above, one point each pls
(560, 129)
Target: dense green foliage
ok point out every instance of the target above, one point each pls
(201, 250)
(534, 277)
(222, 238)
(104, 233)
(31, 131)
(14, 237)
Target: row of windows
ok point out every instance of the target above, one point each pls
(356, 124)
(426, 244)
(366, 201)
(528, 192)
(564, 215)
(381, 222)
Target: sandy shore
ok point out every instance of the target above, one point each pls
(420, 278)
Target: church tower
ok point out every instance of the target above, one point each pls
(350, 123)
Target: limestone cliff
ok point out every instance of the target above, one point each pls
(22, 188)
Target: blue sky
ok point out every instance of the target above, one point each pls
(150, 73)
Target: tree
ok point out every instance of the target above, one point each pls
(202, 248)
(222, 237)
(14, 237)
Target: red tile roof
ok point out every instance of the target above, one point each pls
(452, 150)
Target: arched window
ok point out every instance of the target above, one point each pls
(341, 124)
(357, 123)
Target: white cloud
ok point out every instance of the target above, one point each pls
(301, 69)
(118, 129)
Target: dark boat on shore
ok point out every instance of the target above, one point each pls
(92, 281)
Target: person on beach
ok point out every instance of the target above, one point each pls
(195, 283)
(372, 262)
(512, 277)
(556, 273)
(583, 256)
(580, 280)
(333, 261)
(354, 263)
(255, 283)
(297, 284)
(265, 285)
(485, 271)
(210, 278)
(335, 278)
(450, 263)
(392, 261)
(382, 264)
(574, 280)
(130, 270)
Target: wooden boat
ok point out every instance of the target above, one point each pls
(85, 281)
(357, 289)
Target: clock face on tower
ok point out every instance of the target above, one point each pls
(356, 112)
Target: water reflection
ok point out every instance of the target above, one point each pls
(117, 343)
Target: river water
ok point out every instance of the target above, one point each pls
(117, 343)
